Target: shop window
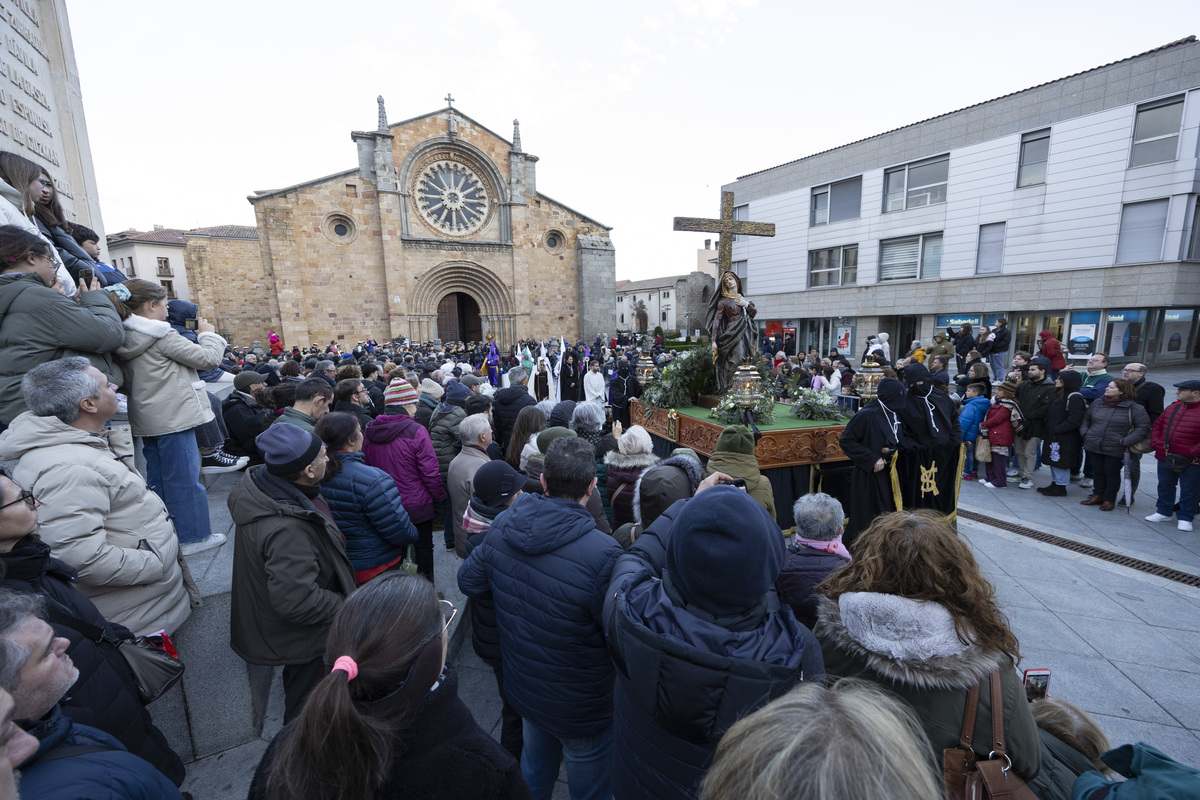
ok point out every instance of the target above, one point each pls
(990, 254)
(834, 266)
(1156, 132)
(911, 257)
(921, 183)
(1143, 227)
(1035, 152)
(837, 202)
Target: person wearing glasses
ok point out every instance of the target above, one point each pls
(385, 720)
(351, 396)
(105, 695)
(38, 324)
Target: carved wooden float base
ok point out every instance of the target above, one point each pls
(806, 443)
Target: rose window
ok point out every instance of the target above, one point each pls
(453, 199)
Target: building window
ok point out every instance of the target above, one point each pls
(921, 183)
(741, 213)
(1143, 227)
(1035, 152)
(740, 269)
(664, 316)
(1194, 250)
(170, 287)
(1156, 132)
(837, 202)
(622, 319)
(164, 268)
(990, 255)
(666, 295)
(911, 257)
(835, 266)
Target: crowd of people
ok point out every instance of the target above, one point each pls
(646, 618)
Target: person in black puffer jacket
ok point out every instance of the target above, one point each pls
(815, 552)
(494, 488)
(104, 696)
(507, 404)
(698, 638)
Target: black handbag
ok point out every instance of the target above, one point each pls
(153, 670)
(1174, 461)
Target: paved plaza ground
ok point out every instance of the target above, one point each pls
(1122, 644)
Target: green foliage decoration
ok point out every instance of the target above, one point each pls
(690, 374)
(818, 406)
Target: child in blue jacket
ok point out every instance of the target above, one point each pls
(975, 408)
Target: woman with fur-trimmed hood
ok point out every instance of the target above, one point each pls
(634, 453)
(913, 613)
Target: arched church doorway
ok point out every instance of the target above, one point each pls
(458, 318)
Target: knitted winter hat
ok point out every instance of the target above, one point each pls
(1009, 387)
(287, 449)
(431, 388)
(456, 394)
(547, 437)
(735, 439)
(400, 393)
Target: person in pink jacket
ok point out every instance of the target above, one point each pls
(400, 446)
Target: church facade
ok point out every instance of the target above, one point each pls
(439, 232)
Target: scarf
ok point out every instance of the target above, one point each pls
(1110, 401)
(834, 545)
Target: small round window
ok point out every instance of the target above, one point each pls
(340, 228)
(555, 240)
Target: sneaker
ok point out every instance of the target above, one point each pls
(1086, 483)
(1157, 517)
(207, 543)
(1076, 477)
(1012, 473)
(1025, 485)
(1184, 525)
(987, 484)
(218, 461)
(969, 476)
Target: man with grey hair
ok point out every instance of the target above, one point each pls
(816, 551)
(475, 433)
(98, 515)
(508, 402)
(71, 760)
(327, 370)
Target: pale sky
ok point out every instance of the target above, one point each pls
(639, 111)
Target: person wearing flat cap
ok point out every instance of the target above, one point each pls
(244, 417)
(698, 637)
(1176, 440)
(290, 571)
(872, 440)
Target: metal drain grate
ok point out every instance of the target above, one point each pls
(1086, 549)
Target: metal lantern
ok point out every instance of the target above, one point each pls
(647, 372)
(866, 380)
(747, 386)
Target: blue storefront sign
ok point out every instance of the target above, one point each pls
(955, 320)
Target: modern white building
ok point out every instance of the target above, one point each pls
(1070, 206)
(155, 255)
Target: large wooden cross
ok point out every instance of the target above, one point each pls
(726, 226)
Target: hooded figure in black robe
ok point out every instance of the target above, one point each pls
(871, 440)
(930, 470)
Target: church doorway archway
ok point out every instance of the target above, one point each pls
(458, 318)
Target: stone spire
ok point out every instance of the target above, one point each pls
(517, 135)
(382, 115)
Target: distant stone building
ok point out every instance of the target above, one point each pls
(676, 302)
(41, 107)
(439, 232)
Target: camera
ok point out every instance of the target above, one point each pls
(189, 324)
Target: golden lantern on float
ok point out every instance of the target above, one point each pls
(866, 380)
(646, 371)
(747, 386)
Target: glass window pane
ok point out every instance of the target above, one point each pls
(1154, 151)
(898, 259)
(822, 279)
(926, 174)
(990, 256)
(931, 256)
(820, 213)
(893, 190)
(845, 200)
(1194, 253)
(1159, 121)
(1143, 226)
(1032, 174)
(1035, 150)
(849, 257)
(819, 259)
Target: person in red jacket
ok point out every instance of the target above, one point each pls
(1052, 349)
(1177, 432)
(997, 426)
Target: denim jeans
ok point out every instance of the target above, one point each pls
(1189, 491)
(589, 760)
(1061, 475)
(997, 363)
(212, 435)
(173, 472)
(969, 458)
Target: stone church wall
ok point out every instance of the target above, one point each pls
(231, 288)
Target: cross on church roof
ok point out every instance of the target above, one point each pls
(449, 100)
(727, 226)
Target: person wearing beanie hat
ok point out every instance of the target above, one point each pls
(427, 402)
(634, 453)
(698, 638)
(872, 438)
(290, 571)
(400, 393)
(999, 424)
(444, 422)
(734, 456)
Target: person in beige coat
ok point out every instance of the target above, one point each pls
(167, 400)
(734, 456)
(97, 514)
(475, 432)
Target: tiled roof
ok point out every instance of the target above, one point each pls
(650, 283)
(1187, 40)
(621, 285)
(226, 232)
(160, 236)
